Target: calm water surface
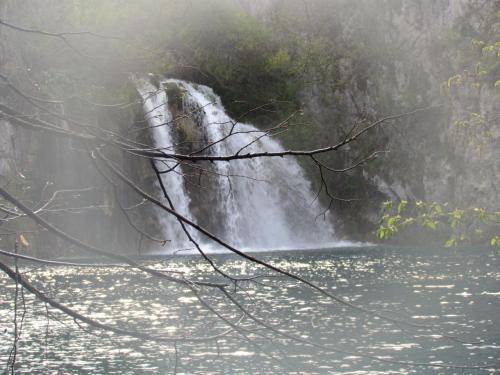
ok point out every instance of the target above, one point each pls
(456, 293)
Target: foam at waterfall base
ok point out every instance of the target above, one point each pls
(218, 249)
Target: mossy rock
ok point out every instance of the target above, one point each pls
(175, 95)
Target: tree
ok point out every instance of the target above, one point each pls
(103, 150)
(474, 130)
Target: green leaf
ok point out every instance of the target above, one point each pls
(495, 241)
(431, 224)
(408, 221)
(452, 242)
(393, 220)
(401, 206)
(381, 233)
(387, 206)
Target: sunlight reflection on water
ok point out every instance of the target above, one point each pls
(430, 287)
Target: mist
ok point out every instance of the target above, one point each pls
(321, 174)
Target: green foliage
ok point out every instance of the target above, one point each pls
(463, 226)
(478, 67)
(218, 44)
(495, 241)
(212, 42)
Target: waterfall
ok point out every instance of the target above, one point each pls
(260, 203)
(159, 119)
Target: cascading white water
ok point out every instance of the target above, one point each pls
(266, 203)
(159, 119)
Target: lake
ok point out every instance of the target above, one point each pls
(444, 294)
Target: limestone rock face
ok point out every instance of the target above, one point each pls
(7, 157)
(426, 160)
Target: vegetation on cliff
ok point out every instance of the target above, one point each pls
(322, 66)
(387, 102)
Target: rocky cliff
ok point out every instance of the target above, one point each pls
(410, 52)
(381, 58)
